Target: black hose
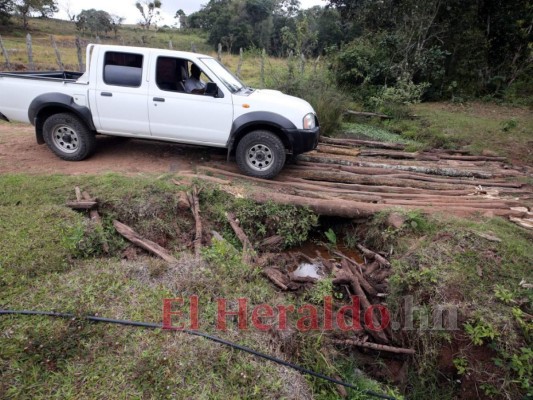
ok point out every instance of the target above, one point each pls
(204, 335)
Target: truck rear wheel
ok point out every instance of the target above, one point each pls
(68, 137)
(260, 154)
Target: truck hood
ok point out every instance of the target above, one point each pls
(279, 99)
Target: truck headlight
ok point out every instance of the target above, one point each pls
(309, 121)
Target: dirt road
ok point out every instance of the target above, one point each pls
(19, 152)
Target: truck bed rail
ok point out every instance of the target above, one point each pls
(65, 76)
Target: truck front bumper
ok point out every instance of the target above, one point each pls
(303, 140)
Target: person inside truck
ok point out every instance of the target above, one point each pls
(194, 84)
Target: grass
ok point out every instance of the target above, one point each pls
(14, 38)
(452, 265)
(478, 127)
(52, 260)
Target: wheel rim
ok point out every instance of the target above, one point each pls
(65, 139)
(259, 157)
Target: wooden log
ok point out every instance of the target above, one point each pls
(367, 287)
(277, 277)
(445, 156)
(247, 248)
(367, 114)
(78, 193)
(93, 213)
(355, 209)
(194, 204)
(382, 190)
(489, 183)
(371, 268)
(374, 346)
(305, 185)
(480, 204)
(339, 208)
(431, 170)
(146, 244)
(81, 67)
(338, 150)
(344, 275)
(366, 143)
(81, 205)
(272, 243)
(401, 155)
(373, 255)
(58, 54)
(347, 177)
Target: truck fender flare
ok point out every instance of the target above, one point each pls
(260, 120)
(56, 103)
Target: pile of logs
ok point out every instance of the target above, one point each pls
(357, 178)
(367, 281)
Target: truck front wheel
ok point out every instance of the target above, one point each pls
(260, 154)
(68, 137)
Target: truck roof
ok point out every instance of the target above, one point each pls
(174, 53)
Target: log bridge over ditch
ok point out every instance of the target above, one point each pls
(357, 178)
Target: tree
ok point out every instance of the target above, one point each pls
(96, 21)
(150, 11)
(67, 7)
(182, 18)
(25, 7)
(6, 8)
(116, 23)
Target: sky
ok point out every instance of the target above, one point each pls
(126, 8)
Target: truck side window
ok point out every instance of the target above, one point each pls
(123, 69)
(171, 73)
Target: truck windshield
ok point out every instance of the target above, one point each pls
(228, 79)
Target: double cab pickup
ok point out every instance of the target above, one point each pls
(163, 95)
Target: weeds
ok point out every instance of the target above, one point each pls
(260, 221)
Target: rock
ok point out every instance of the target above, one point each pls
(395, 220)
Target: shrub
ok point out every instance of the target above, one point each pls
(328, 100)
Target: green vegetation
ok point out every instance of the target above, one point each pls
(260, 221)
(482, 128)
(443, 262)
(52, 260)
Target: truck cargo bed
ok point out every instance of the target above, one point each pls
(45, 75)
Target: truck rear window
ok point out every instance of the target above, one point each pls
(123, 69)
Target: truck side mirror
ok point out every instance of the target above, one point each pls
(211, 89)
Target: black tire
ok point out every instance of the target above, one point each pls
(68, 137)
(260, 154)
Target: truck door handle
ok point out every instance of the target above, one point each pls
(106, 94)
(161, 99)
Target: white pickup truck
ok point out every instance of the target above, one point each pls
(145, 93)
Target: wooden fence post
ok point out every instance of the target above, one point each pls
(6, 56)
(80, 54)
(302, 63)
(170, 45)
(263, 68)
(58, 55)
(193, 47)
(30, 52)
(98, 41)
(239, 66)
(317, 61)
(219, 52)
